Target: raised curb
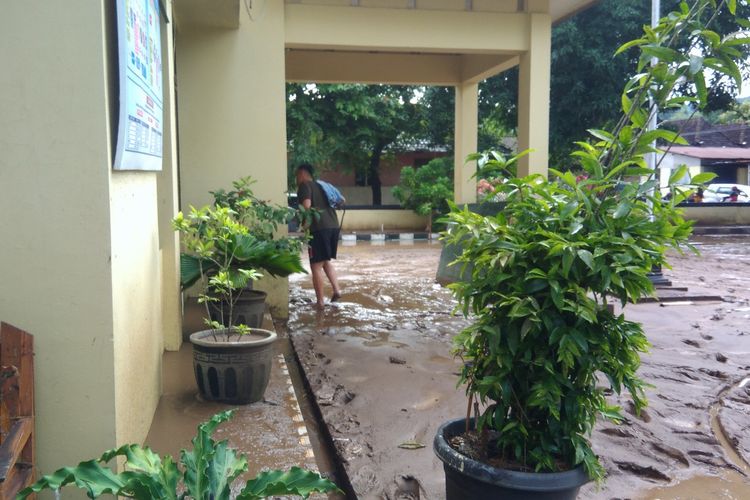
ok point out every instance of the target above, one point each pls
(709, 230)
(364, 236)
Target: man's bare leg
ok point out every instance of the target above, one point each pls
(331, 273)
(316, 269)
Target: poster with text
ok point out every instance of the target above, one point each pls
(139, 136)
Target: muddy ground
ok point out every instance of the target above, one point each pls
(380, 366)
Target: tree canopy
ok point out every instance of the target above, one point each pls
(351, 126)
(426, 189)
(586, 78)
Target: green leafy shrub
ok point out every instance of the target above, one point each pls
(226, 246)
(204, 473)
(426, 189)
(544, 270)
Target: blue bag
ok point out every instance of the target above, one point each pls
(335, 198)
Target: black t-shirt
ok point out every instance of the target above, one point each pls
(312, 191)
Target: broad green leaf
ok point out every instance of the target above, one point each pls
(623, 208)
(296, 481)
(627, 45)
(89, 476)
(678, 174)
(587, 258)
(601, 134)
(703, 178)
(665, 54)
(700, 86)
(696, 64)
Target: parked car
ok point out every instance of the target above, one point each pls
(716, 193)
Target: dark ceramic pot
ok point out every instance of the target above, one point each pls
(466, 478)
(234, 371)
(248, 310)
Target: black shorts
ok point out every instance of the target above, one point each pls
(323, 245)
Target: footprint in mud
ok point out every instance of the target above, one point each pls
(644, 471)
(617, 432)
(671, 452)
(644, 416)
(405, 487)
(714, 373)
(365, 481)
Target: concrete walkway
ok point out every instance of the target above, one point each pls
(272, 432)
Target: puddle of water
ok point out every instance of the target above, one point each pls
(728, 486)
(721, 435)
(383, 339)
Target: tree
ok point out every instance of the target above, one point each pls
(426, 189)
(352, 125)
(497, 112)
(585, 76)
(737, 113)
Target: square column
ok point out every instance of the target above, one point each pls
(467, 118)
(232, 108)
(533, 97)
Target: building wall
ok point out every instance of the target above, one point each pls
(362, 195)
(81, 266)
(232, 100)
(478, 5)
(390, 175)
(382, 220)
(726, 214)
(54, 219)
(136, 302)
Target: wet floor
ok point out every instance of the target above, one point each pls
(271, 432)
(383, 375)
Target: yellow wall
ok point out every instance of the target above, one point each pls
(387, 220)
(727, 214)
(362, 195)
(82, 265)
(167, 183)
(533, 97)
(136, 302)
(232, 103)
(54, 219)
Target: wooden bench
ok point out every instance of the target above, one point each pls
(17, 463)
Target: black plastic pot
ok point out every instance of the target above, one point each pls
(235, 371)
(468, 479)
(248, 310)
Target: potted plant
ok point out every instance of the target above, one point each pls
(257, 247)
(544, 270)
(205, 472)
(231, 361)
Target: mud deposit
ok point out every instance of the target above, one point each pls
(380, 366)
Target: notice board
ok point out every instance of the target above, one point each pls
(139, 135)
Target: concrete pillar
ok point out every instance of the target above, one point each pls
(167, 191)
(467, 117)
(533, 97)
(232, 104)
